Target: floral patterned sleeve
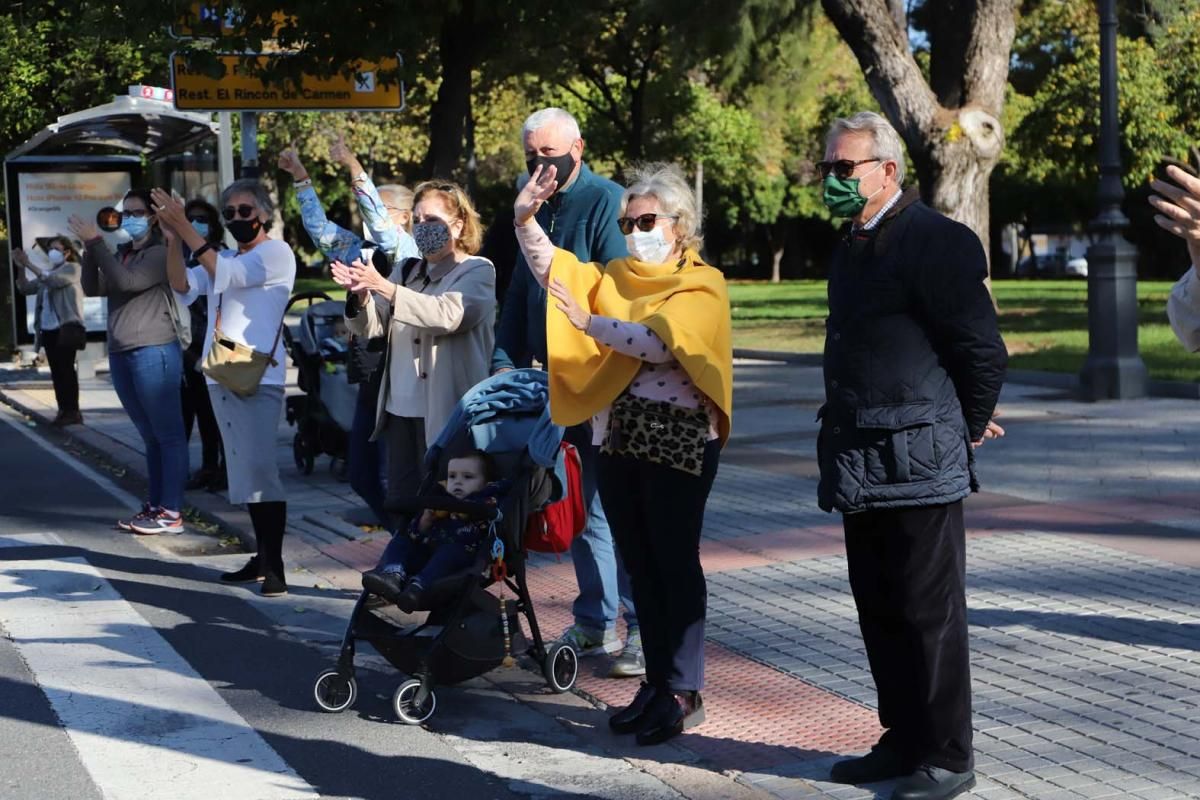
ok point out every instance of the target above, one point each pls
(630, 338)
(334, 241)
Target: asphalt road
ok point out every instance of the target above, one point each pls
(126, 670)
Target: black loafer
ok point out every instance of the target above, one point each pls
(388, 585)
(247, 574)
(669, 715)
(629, 718)
(881, 764)
(933, 783)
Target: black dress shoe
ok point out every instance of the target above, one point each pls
(669, 715)
(410, 599)
(629, 718)
(389, 585)
(933, 783)
(247, 574)
(881, 764)
(273, 584)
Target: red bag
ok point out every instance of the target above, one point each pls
(552, 528)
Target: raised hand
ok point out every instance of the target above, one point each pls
(339, 152)
(567, 304)
(289, 161)
(1178, 204)
(170, 212)
(346, 277)
(82, 228)
(541, 186)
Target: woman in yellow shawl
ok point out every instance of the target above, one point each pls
(641, 346)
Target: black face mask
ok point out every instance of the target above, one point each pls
(244, 230)
(564, 163)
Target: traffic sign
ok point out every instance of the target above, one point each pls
(239, 90)
(214, 18)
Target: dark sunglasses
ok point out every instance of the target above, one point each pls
(139, 213)
(245, 211)
(842, 168)
(645, 223)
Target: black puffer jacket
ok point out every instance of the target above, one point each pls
(914, 363)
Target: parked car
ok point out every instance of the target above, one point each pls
(1077, 267)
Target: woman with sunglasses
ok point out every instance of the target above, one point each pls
(247, 290)
(642, 348)
(438, 314)
(58, 320)
(197, 407)
(144, 357)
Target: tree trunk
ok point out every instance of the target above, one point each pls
(452, 106)
(952, 129)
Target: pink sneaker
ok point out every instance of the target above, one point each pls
(144, 514)
(161, 521)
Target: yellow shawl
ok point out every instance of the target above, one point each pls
(688, 308)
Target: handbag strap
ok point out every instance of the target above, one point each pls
(278, 331)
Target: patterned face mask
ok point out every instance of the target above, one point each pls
(431, 236)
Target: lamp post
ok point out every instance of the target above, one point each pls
(1113, 370)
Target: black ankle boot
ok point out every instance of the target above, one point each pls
(629, 718)
(670, 714)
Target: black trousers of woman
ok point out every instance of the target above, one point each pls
(197, 408)
(908, 573)
(656, 514)
(269, 520)
(62, 373)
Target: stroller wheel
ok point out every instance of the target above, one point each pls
(334, 692)
(561, 667)
(404, 701)
(302, 455)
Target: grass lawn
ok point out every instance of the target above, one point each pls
(1044, 322)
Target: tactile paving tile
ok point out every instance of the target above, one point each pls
(1085, 659)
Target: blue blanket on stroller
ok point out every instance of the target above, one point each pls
(506, 413)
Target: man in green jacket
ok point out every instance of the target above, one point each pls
(581, 217)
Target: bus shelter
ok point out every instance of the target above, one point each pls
(86, 161)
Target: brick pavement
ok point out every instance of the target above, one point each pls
(1083, 593)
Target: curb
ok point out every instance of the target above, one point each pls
(1064, 381)
(206, 514)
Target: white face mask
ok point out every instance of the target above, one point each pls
(56, 257)
(649, 246)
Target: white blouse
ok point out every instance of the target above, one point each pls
(252, 291)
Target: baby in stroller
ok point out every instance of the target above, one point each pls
(438, 543)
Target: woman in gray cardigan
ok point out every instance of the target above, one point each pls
(58, 320)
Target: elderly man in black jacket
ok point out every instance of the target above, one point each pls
(913, 367)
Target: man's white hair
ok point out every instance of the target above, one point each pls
(551, 116)
(887, 144)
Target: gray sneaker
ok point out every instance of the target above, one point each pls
(631, 663)
(588, 642)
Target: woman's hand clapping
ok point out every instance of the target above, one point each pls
(170, 212)
(361, 279)
(541, 186)
(577, 314)
(83, 229)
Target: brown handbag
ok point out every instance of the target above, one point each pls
(657, 431)
(236, 366)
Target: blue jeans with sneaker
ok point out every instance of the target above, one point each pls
(603, 581)
(147, 380)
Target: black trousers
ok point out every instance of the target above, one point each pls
(404, 440)
(62, 373)
(656, 514)
(197, 409)
(908, 574)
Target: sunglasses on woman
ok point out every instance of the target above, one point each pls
(842, 168)
(137, 212)
(245, 211)
(645, 222)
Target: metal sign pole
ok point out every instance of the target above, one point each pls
(225, 149)
(249, 121)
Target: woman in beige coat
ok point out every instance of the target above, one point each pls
(438, 314)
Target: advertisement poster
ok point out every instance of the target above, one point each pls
(47, 201)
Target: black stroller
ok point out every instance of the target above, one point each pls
(324, 414)
(470, 631)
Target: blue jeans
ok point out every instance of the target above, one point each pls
(364, 462)
(603, 581)
(147, 382)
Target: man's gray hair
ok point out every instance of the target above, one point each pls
(666, 182)
(551, 116)
(262, 198)
(888, 146)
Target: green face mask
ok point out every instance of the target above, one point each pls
(842, 197)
